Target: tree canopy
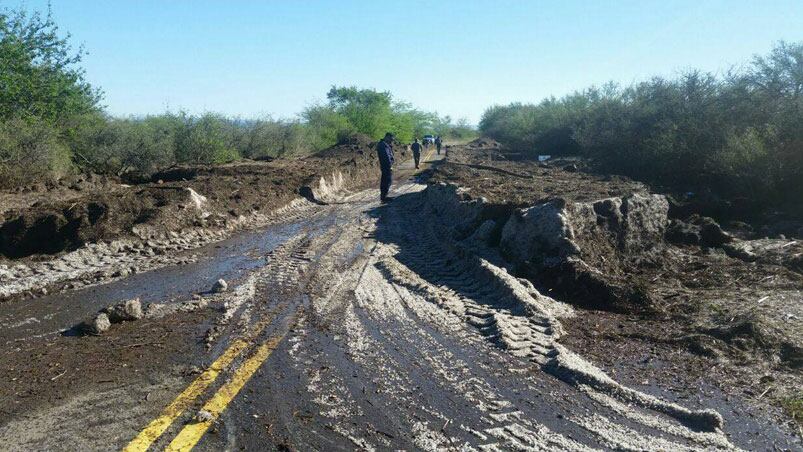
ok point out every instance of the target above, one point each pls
(39, 71)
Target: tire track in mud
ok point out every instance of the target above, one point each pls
(406, 313)
(292, 272)
(398, 336)
(520, 320)
(258, 312)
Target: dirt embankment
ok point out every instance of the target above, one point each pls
(73, 236)
(45, 220)
(656, 278)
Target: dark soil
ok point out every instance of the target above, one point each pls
(45, 220)
(691, 296)
(42, 371)
(505, 180)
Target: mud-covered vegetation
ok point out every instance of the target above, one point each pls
(737, 137)
(52, 121)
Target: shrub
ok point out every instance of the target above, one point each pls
(205, 139)
(125, 145)
(39, 73)
(368, 111)
(30, 151)
(739, 136)
(326, 126)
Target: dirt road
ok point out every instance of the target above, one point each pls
(347, 325)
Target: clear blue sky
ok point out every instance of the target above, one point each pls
(456, 57)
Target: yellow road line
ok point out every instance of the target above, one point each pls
(430, 155)
(192, 433)
(158, 426)
(426, 158)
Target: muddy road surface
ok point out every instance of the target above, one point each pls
(345, 325)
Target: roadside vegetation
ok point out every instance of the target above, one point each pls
(52, 121)
(737, 137)
(794, 407)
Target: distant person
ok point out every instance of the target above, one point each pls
(416, 147)
(438, 144)
(384, 150)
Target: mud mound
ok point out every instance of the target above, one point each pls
(697, 230)
(358, 143)
(509, 311)
(76, 182)
(484, 143)
(175, 174)
(583, 250)
(50, 228)
(178, 197)
(783, 252)
(728, 296)
(504, 179)
(352, 163)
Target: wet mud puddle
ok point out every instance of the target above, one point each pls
(229, 259)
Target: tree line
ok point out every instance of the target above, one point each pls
(736, 136)
(52, 121)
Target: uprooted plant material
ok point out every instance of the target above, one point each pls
(652, 281)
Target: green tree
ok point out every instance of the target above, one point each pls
(39, 72)
(367, 110)
(326, 126)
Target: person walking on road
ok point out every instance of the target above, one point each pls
(416, 147)
(384, 150)
(438, 144)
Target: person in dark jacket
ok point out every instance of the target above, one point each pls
(384, 150)
(438, 144)
(416, 148)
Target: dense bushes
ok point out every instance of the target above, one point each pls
(738, 136)
(140, 146)
(373, 113)
(39, 76)
(144, 145)
(30, 150)
(51, 122)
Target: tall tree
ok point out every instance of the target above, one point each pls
(40, 74)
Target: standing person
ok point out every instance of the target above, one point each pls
(438, 144)
(384, 150)
(416, 147)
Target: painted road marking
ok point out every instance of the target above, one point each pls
(192, 433)
(158, 426)
(428, 157)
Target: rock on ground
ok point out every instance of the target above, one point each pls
(128, 310)
(220, 286)
(97, 325)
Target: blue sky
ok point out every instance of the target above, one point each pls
(251, 58)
